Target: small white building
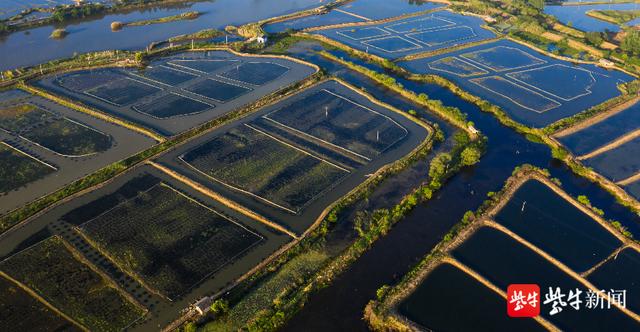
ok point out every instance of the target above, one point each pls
(261, 39)
(606, 63)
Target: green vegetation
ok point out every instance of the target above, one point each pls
(614, 16)
(178, 17)
(58, 34)
(168, 240)
(57, 274)
(65, 13)
(452, 114)
(200, 35)
(631, 42)
(268, 293)
(22, 312)
(18, 169)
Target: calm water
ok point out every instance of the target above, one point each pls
(339, 306)
(34, 46)
(579, 20)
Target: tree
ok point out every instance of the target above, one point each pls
(631, 42)
(439, 166)
(594, 38)
(139, 56)
(470, 156)
(219, 307)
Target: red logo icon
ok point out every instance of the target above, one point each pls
(523, 300)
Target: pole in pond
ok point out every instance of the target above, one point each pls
(226, 39)
(326, 111)
(378, 136)
(523, 205)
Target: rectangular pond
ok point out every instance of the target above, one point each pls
(618, 163)
(545, 219)
(603, 132)
(46, 146)
(530, 87)
(181, 91)
(290, 160)
(425, 33)
(621, 273)
(448, 292)
(504, 261)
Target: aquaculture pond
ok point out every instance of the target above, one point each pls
(157, 240)
(448, 292)
(618, 163)
(558, 227)
(616, 272)
(46, 146)
(576, 15)
(22, 312)
(206, 85)
(340, 305)
(355, 11)
(504, 261)
(532, 88)
(36, 47)
(290, 160)
(428, 32)
(603, 132)
(54, 272)
(381, 9)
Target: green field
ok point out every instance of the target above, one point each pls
(19, 311)
(254, 162)
(171, 241)
(53, 132)
(54, 273)
(18, 169)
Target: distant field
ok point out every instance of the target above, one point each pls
(53, 272)
(19, 169)
(51, 131)
(256, 163)
(21, 312)
(168, 239)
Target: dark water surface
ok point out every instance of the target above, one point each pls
(339, 307)
(34, 46)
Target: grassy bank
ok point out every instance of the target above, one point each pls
(200, 35)
(452, 114)
(173, 18)
(614, 16)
